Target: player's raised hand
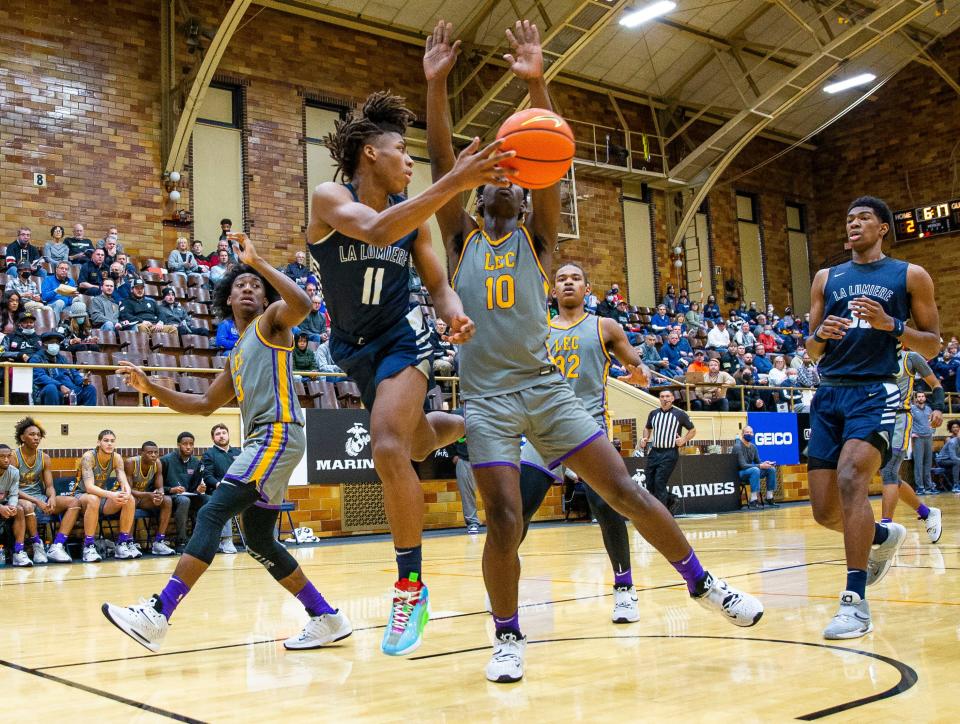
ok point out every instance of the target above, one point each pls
(477, 167)
(242, 246)
(526, 60)
(440, 55)
(460, 328)
(133, 376)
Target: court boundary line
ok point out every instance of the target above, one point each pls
(101, 693)
(441, 618)
(908, 675)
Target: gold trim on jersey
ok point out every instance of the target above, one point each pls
(536, 258)
(608, 423)
(264, 340)
(466, 242)
(567, 329)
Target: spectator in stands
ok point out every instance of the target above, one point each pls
(113, 234)
(759, 399)
(590, 302)
(222, 266)
(28, 290)
(790, 391)
(143, 312)
(10, 314)
(680, 323)
(146, 485)
(183, 474)
(104, 309)
(769, 339)
(444, 353)
(172, 314)
(23, 343)
(80, 246)
(711, 310)
(949, 456)
(315, 323)
(215, 462)
(683, 303)
(122, 289)
(608, 307)
(791, 341)
(92, 274)
(730, 361)
(808, 375)
(56, 250)
(129, 270)
(752, 468)
(197, 249)
(694, 317)
(650, 355)
(623, 319)
(222, 245)
(58, 290)
(297, 270)
(805, 325)
(615, 293)
(760, 324)
(746, 367)
(752, 312)
(945, 367)
(225, 226)
(676, 364)
(58, 385)
(760, 359)
(111, 250)
(778, 373)
(669, 299)
(921, 435)
(325, 362)
(698, 367)
(181, 259)
(744, 336)
(227, 335)
(660, 322)
(77, 330)
(718, 338)
(21, 251)
(711, 394)
(304, 359)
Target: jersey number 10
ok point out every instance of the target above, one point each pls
(500, 292)
(372, 285)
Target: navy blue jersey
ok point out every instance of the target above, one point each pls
(865, 353)
(366, 287)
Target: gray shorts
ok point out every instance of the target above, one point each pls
(530, 456)
(548, 414)
(39, 496)
(890, 473)
(268, 458)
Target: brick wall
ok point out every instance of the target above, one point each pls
(902, 147)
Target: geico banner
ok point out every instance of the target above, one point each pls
(776, 436)
(339, 450)
(704, 483)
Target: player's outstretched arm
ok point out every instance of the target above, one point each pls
(445, 300)
(619, 346)
(526, 62)
(332, 205)
(217, 395)
(294, 304)
(438, 60)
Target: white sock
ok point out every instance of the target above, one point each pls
(753, 497)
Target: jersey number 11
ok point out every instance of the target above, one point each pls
(372, 285)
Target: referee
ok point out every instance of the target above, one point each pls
(665, 424)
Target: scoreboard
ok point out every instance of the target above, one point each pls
(942, 218)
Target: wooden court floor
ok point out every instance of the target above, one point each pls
(223, 660)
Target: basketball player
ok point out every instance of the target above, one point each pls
(102, 484)
(363, 235)
(36, 488)
(511, 386)
(146, 484)
(580, 345)
(858, 311)
(264, 304)
(911, 365)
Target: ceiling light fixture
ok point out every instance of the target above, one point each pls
(842, 85)
(637, 17)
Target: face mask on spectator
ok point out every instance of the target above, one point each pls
(53, 349)
(24, 275)
(28, 331)
(748, 437)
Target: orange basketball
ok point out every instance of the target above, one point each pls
(544, 145)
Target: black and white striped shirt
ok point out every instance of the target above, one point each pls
(666, 426)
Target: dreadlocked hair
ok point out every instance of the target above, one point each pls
(221, 292)
(382, 112)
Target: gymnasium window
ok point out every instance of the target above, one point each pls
(796, 218)
(217, 164)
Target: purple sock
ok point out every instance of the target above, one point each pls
(622, 579)
(87, 540)
(886, 520)
(311, 599)
(17, 547)
(691, 570)
(923, 511)
(511, 624)
(36, 539)
(171, 595)
(124, 538)
(60, 538)
(159, 537)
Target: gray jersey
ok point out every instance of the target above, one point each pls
(262, 375)
(142, 479)
(503, 288)
(10, 486)
(912, 365)
(31, 476)
(579, 352)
